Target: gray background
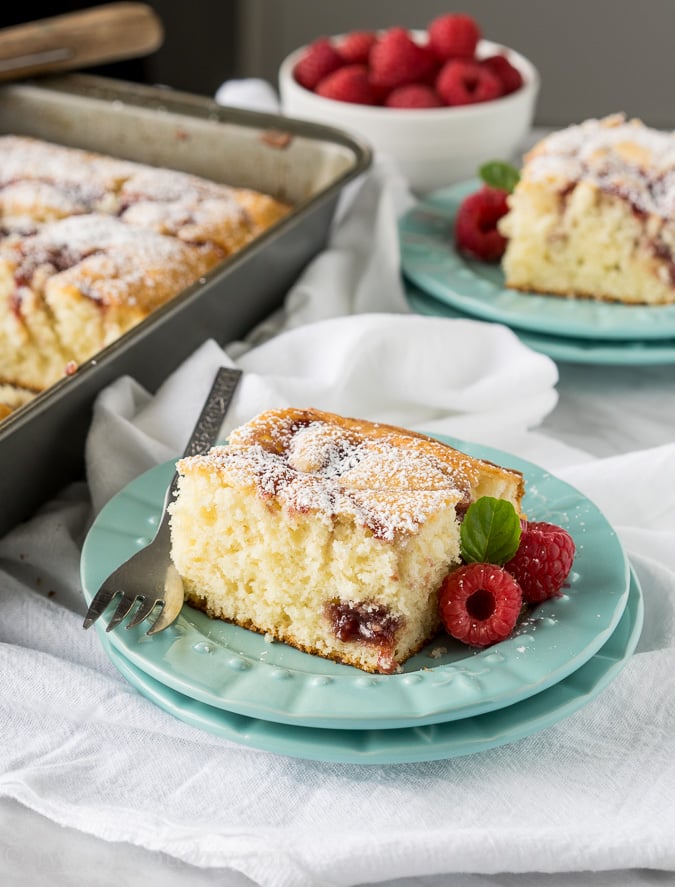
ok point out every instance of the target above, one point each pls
(595, 56)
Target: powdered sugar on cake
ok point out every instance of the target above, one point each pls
(618, 156)
(330, 470)
(77, 181)
(593, 215)
(65, 243)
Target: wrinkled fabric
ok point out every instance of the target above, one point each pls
(593, 792)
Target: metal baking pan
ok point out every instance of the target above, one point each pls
(308, 165)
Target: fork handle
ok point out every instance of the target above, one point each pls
(205, 433)
(203, 437)
(213, 412)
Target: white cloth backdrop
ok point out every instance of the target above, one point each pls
(595, 791)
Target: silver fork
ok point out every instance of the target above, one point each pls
(148, 577)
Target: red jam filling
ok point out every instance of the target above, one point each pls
(363, 622)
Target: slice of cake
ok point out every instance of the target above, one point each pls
(328, 533)
(593, 215)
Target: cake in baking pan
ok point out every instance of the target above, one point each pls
(78, 284)
(12, 397)
(328, 533)
(91, 245)
(593, 215)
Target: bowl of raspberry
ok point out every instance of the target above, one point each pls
(439, 101)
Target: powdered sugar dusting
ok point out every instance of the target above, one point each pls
(388, 513)
(168, 186)
(386, 479)
(618, 156)
(42, 198)
(43, 181)
(67, 242)
(185, 206)
(76, 179)
(23, 157)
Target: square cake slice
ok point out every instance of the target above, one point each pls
(330, 534)
(593, 215)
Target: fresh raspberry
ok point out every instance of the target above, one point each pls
(543, 560)
(508, 75)
(396, 60)
(348, 84)
(466, 82)
(413, 95)
(355, 47)
(453, 35)
(476, 232)
(479, 604)
(318, 61)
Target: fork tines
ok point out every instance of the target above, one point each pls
(104, 598)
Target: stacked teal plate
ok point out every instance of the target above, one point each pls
(446, 283)
(448, 700)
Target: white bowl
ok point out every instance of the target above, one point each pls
(433, 147)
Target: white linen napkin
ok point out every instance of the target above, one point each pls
(463, 378)
(591, 793)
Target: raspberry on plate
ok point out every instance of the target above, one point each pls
(318, 61)
(348, 84)
(453, 35)
(396, 60)
(355, 46)
(467, 82)
(476, 231)
(509, 76)
(479, 604)
(543, 560)
(413, 95)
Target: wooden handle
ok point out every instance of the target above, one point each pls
(94, 36)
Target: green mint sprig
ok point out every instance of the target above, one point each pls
(498, 174)
(490, 531)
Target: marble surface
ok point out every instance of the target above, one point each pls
(602, 410)
(610, 410)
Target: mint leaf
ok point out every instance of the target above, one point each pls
(490, 532)
(498, 174)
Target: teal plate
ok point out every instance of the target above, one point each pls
(430, 260)
(563, 349)
(229, 667)
(412, 744)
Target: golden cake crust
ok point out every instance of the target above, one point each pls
(389, 457)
